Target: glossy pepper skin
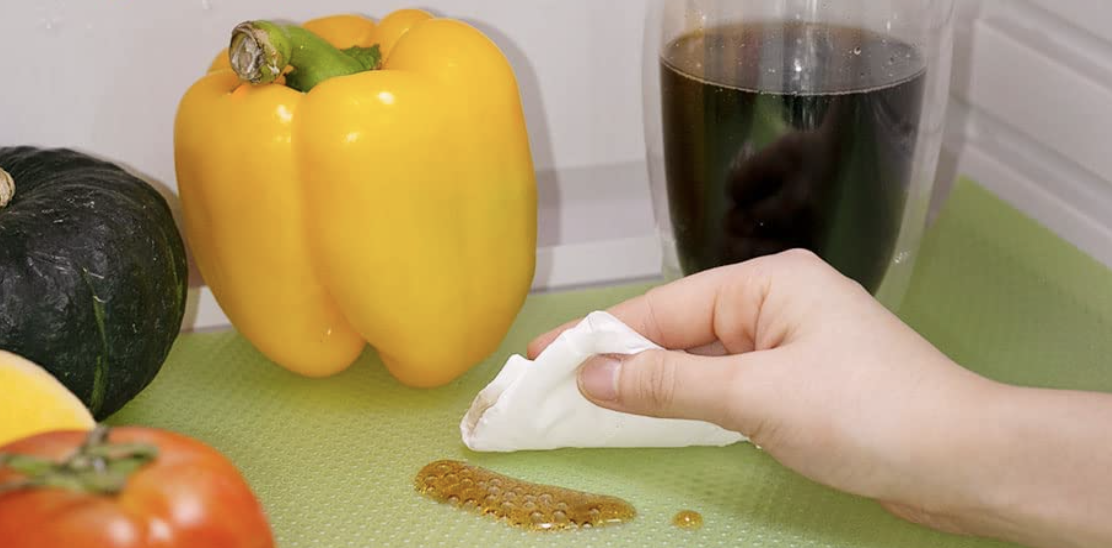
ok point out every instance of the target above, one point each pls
(395, 207)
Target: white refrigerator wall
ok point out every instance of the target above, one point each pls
(1031, 111)
(107, 75)
(1031, 115)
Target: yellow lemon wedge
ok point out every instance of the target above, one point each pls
(32, 402)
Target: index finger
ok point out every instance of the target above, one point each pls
(712, 306)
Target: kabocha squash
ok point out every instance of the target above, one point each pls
(92, 273)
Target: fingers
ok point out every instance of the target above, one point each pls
(725, 305)
(675, 385)
(679, 315)
(540, 343)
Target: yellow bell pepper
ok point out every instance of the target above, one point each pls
(394, 206)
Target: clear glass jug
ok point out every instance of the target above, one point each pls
(780, 124)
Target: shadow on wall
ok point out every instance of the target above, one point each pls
(540, 137)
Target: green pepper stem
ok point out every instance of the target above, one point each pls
(97, 467)
(7, 188)
(261, 51)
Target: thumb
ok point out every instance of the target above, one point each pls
(665, 384)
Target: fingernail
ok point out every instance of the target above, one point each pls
(599, 378)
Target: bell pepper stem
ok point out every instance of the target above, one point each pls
(7, 188)
(97, 467)
(262, 51)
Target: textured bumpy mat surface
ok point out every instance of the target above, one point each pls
(333, 461)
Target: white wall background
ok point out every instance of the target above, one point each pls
(1031, 115)
(107, 75)
(1031, 111)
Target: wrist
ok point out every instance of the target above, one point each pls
(946, 481)
(1028, 476)
(986, 498)
(959, 488)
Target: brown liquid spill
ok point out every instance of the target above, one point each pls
(522, 504)
(688, 519)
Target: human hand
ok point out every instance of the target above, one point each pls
(805, 362)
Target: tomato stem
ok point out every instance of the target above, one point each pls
(7, 188)
(97, 467)
(261, 51)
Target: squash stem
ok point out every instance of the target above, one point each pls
(262, 51)
(7, 188)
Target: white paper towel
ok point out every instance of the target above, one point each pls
(538, 406)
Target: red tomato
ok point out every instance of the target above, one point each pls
(188, 496)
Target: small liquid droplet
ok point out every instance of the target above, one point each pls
(688, 519)
(857, 50)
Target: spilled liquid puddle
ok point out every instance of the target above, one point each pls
(688, 519)
(519, 503)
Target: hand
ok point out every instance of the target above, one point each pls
(789, 352)
(806, 363)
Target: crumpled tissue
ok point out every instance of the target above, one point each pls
(537, 405)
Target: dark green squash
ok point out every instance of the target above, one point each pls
(93, 274)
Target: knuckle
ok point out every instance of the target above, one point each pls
(786, 263)
(652, 321)
(656, 381)
(801, 257)
(804, 266)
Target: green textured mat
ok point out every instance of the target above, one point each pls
(333, 460)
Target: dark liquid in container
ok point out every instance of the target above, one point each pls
(790, 135)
